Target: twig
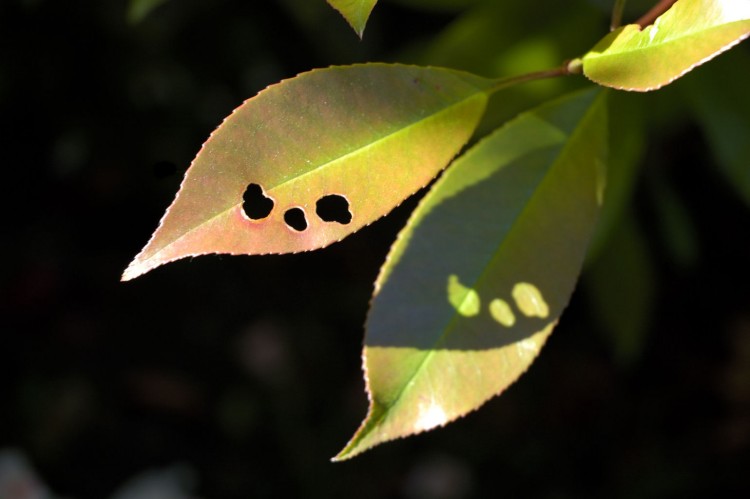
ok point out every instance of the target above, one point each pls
(657, 10)
(617, 14)
(567, 68)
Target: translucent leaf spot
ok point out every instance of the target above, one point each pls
(256, 204)
(501, 312)
(333, 208)
(295, 219)
(464, 300)
(530, 300)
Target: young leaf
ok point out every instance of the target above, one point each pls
(687, 35)
(362, 138)
(355, 12)
(479, 276)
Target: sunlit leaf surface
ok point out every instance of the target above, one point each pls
(686, 36)
(478, 278)
(312, 159)
(356, 12)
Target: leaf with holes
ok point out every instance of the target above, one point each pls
(687, 35)
(478, 278)
(314, 158)
(356, 12)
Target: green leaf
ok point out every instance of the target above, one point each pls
(355, 12)
(478, 278)
(627, 138)
(139, 9)
(621, 285)
(363, 137)
(676, 226)
(687, 35)
(721, 102)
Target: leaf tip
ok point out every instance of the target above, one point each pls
(135, 269)
(356, 13)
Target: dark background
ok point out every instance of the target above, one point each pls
(245, 371)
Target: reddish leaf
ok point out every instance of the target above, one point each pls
(359, 139)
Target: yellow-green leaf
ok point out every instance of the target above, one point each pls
(690, 33)
(356, 12)
(361, 138)
(481, 273)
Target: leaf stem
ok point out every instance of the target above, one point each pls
(657, 10)
(567, 68)
(617, 14)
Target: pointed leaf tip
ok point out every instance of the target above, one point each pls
(356, 12)
(314, 158)
(478, 278)
(689, 34)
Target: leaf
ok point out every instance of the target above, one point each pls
(355, 12)
(720, 101)
(528, 41)
(675, 225)
(687, 35)
(363, 137)
(621, 285)
(139, 9)
(481, 273)
(627, 138)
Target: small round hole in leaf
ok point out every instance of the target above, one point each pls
(257, 205)
(295, 218)
(333, 208)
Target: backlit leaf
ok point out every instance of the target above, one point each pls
(687, 35)
(355, 12)
(479, 277)
(359, 139)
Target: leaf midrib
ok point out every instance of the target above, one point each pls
(656, 46)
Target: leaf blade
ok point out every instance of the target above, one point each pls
(372, 133)
(430, 358)
(356, 12)
(690, 33)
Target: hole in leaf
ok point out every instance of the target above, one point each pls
(295, 218)
(333, 208)
(257, 205)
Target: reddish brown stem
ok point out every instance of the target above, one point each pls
(657, 10)
(502, 83)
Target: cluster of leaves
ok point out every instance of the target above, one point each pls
(481, 273)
